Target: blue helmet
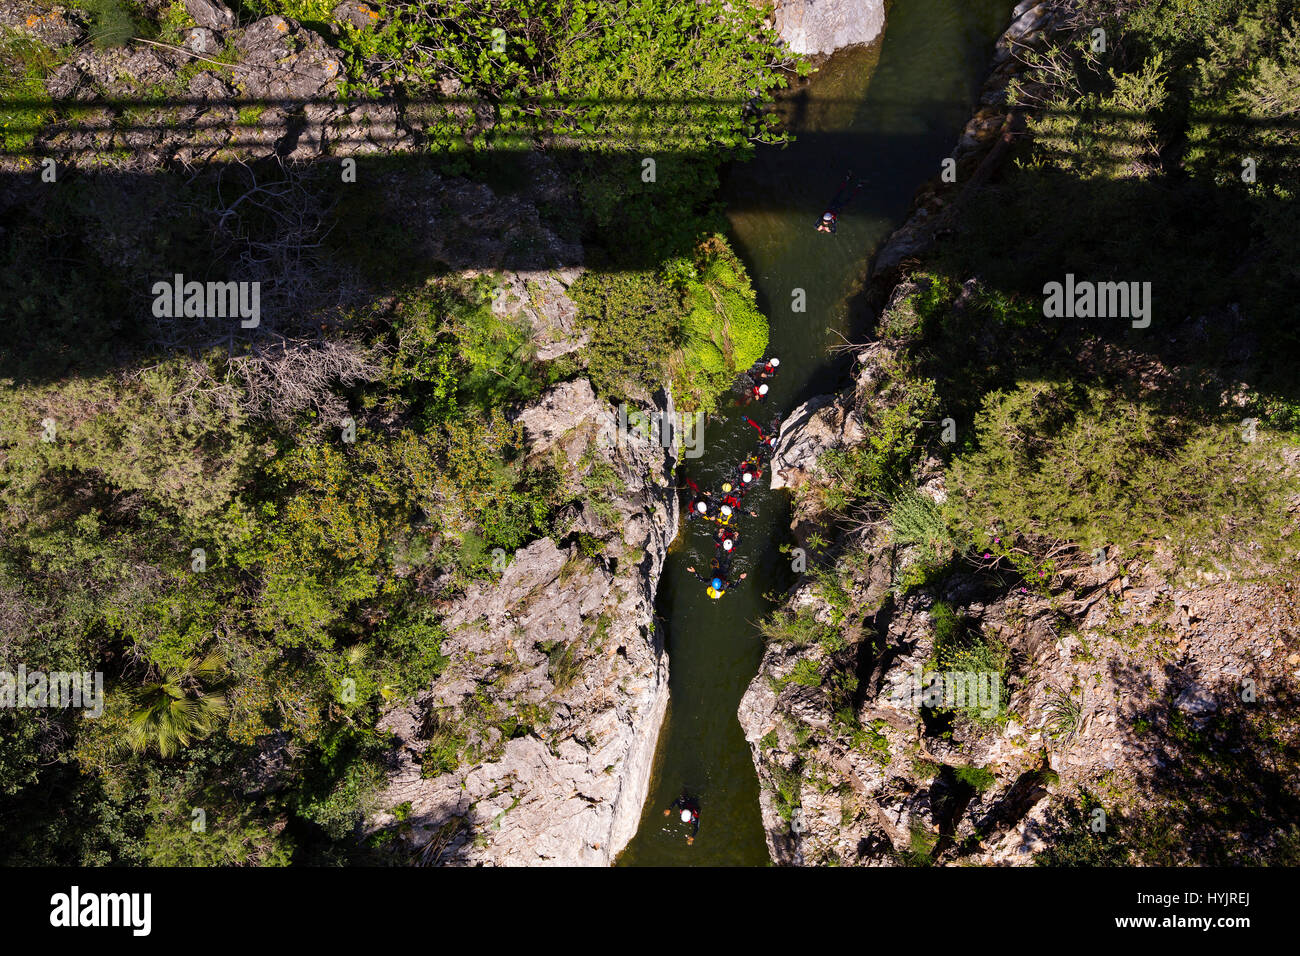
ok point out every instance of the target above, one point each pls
(717, 584)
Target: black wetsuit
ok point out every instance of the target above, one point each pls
(710, 506)
(848, 189)
(686, 803)
(766, 440)
(733, 501)
(719, 567)
(726, 534)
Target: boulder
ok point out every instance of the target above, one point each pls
(281, 61)
(824, 26)
(202, 40)
(48, 23)
(361, 15)
(211, 14)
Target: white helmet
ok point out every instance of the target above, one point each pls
(775, 362)
(726, 510)
(746, 477)
(701, 507)
(762, 389)
(686, 816)
(727, 545)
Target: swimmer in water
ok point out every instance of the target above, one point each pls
(689, 812)
(831, 217)
(717, 581)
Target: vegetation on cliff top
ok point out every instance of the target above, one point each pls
(1173, 159)
(182, 511)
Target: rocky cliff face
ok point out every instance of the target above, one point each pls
(1121, 679)
(823, 26)
(558, 681)
(535, 745)
(1112, 677)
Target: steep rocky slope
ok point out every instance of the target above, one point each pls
(1129, 678)
(149, 104)
(1105, 670)
(1133, 684)
(557, 671)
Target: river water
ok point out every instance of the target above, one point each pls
(889, 112)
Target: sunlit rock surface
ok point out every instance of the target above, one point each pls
(823, 26)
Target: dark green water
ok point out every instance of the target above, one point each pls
(890, 113)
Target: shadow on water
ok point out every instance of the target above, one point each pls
(889, 112)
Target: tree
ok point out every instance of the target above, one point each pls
(176, 708)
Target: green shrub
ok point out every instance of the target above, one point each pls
(1115, 136)
(635, 325)
(921, 845)
(450, 351)
(961, 647)
(411, 649)
(310, 11)
(724, 332)
(978, 778)
(694, 323)
(591, 73)
(1063, 463)
(1073, 839)
(806, 672)
(916, 519)
(787, 789)
(25, 62)
(563, 663)
(111, 22)
(799, 628)
(874, 470)
(344, 788)
(445, 743)
(229, 836)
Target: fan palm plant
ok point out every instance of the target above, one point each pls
(177, 708)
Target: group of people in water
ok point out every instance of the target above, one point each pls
(724, 508)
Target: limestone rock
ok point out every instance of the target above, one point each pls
(819, 424)
(211, 14)
(281, 60)
(361, 15)
(202, 40)
(53, 24)
(557, 677)
(541, 296)
(559, 413)
(824, 26)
